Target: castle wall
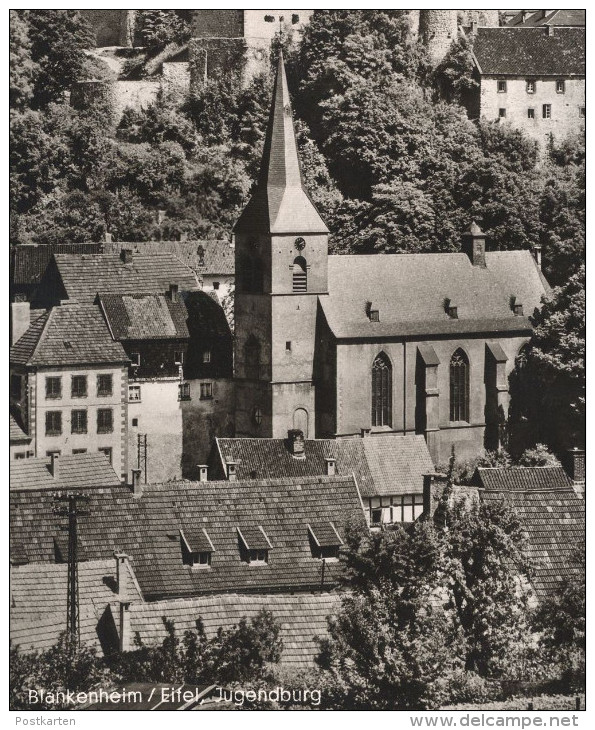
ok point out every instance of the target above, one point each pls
(565, 107)
(112, 27)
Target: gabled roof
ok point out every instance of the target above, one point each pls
(30, 262)
(524, 51)
(551, 513)
(83, 276)
(144, 316)
(38, 601)
(280, 203)
(383, 463)
(302, 617)
(76, 471)
(148, 529)
(204, 257)
(16, 432)
(409, 290)
(70, 334)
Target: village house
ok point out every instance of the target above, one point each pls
(389, 468)
(533, 78)
(328, 345)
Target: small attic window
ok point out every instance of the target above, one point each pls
(325, 542)
(67, 344)
(254, 545)
(374, 315)
(197, 548)
(451, 309)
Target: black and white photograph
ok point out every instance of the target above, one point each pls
(297, 382)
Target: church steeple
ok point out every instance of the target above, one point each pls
(280, 203)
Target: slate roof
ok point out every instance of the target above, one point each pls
(565, 17)
(28, 262)
(525, 51)
(552, 515)
(383, 463)
(16, 433)
(83, 276)
(280, 203)
(204, 257)
(148, 529)
(75, 471)
(302, 617)
(39, 597)
(70, 334)
(409, 291)
(144, 316)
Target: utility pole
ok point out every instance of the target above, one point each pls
(69, 505)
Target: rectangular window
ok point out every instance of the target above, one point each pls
(288, 346)
(560, 86)
(78, 387)
(582, 112)
(105, 420)
(184, 391)
(20, 455)
(135, 423)
(206, 356)
(501, 113)
(107, 451)
(216, 285)
(134, 393)
(104, 385)
(78, 422)
(79, 451)
(178, 357)
(547, 111)
(374, 315)
(53, 387)
(135, 359)
(53, 423)
(530, 87)
(530, 113)
(15, 387)
(501, 87)
(206, 391)
(258, 557)
(53, 452)
(200, 560)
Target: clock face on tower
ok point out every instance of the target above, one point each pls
(299, 244)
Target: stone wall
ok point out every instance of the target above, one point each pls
(437, 30)
(112, 27)
(175, 80)
(565, 107)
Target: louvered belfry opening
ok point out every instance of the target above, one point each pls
(459, 387)
(381, 391)
(300, 275)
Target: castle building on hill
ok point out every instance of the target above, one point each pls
(331, 345)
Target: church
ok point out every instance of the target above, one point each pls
(340, 345)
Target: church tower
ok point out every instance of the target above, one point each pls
(281, 249)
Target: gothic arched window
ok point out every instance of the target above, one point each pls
(252, 358)
(382, 396)
(459, 386)
(300, 275)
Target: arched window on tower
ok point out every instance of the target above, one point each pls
(252, 358)
(382, 396)
(300, 275)
(459, 386)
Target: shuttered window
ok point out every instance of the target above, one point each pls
(300, 275)
(381, 391)
(459, 387)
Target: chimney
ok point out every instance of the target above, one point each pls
(574, 463)
(523, 16)
(536, 251)
(203, 472)
(137, 489)
(126, 256)
(365, 432)
(474, 245)
(55, 465)
(297, 444)
(331, 466)
(107, 237)
(231, 471)
(433, 486)
(20, 319)
(474, 27)
(122, 576)
(173, 292)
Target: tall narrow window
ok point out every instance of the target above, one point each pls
(381, 391)
(300, 275)
(547, 111)
(459, 387)
(252, 358)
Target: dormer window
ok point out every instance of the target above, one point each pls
(451, 309)
(374, 315)
(197, 547)
(517, 307)
(325, 542)
(254, 545)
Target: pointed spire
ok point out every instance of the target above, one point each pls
(280, 201)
